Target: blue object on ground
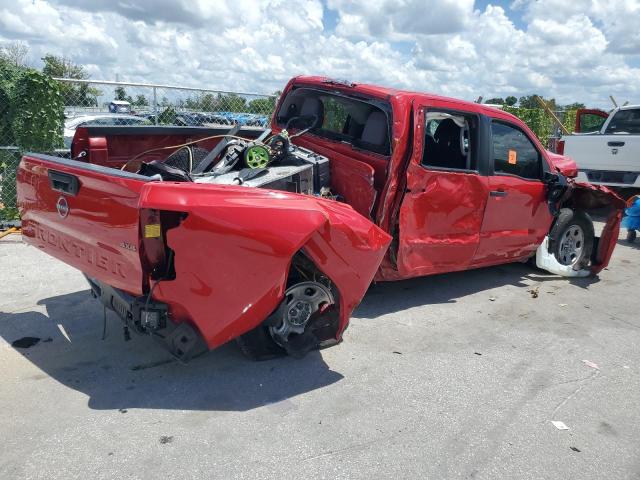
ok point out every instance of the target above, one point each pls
(631, 221)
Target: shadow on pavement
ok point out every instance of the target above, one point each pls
(389, 297)
(115, 374)
(139, 374)
(624, 243)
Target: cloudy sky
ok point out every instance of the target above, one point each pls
(573, 50)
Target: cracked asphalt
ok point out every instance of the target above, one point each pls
(446, 377)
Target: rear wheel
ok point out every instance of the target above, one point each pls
(288, 330)
(258, 345)
(631, 236)
(572, 237)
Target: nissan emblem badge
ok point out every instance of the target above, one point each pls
(63, 207)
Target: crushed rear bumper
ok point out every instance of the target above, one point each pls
(146, 316)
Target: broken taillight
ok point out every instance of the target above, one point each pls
(152, 252)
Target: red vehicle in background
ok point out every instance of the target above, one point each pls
(199, 236)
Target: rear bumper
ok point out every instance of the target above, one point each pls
(613, 178)
(146, 316)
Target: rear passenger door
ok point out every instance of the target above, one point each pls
(516, 217)
(441, 213)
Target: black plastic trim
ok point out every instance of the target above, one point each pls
(114, 172)
(107, 130)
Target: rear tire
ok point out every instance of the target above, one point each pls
(257, 345)
(571, 238)
(631, 236)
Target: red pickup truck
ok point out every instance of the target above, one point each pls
(198, 236)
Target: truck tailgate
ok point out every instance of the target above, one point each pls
(85, 215)
(604, 152)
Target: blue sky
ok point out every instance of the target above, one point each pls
(578, 50)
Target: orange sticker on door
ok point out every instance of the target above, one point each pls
(513, 157)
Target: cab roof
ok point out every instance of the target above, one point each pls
(405, 96)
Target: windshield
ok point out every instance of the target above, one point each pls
(363, 124)
(625, 121)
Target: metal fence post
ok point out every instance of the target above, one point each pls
(155, 106)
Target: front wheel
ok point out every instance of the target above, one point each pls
(572, 237)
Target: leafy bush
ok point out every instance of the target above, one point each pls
(38, 112)
(31, 118)
(541, 123)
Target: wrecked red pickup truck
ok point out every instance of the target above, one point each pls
(199, 236)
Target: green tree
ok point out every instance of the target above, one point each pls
(141, 101)
(192, 103)
(168, 116)
(510, 101)
(80, 94)
(574, 106)
(208, 102)
(58, 66)
(263, 106)
(232, 102)
(121, 94)
(495, 101)
(530, 101)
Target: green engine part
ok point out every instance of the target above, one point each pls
(256, 156)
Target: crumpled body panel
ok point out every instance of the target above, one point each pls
(234, 250)
(588, 196)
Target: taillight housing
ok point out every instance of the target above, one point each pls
(560, 147)
(152, 249)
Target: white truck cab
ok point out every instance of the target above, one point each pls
(606, 147)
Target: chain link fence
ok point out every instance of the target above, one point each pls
(92, 102)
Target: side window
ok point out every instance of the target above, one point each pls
(513, 152)
(590, 122)
(450, 141)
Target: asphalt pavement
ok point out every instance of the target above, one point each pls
(446, 377)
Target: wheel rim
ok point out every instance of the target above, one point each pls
(300, 303)
(571, 245)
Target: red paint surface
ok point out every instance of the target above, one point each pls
(513, 225)
(440, 221)
(233, 251)
(564, 165)
(103, 216)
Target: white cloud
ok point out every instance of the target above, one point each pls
(582, 50)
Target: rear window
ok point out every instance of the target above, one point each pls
(363, 124)
(625, 121)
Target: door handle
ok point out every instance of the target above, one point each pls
(616, 144)
(64, 182)
(498, 193)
